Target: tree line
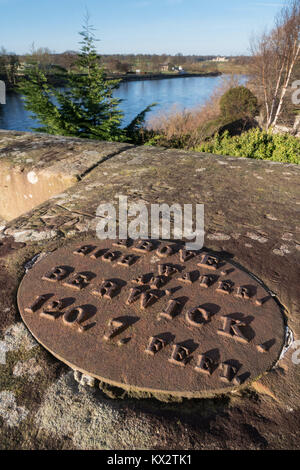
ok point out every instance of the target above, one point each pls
(13, 65)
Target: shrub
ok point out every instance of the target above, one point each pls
(239, 103)
(188, 128)
(255, 143)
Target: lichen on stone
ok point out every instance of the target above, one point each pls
(17, 336)
(12, 414)
(28, 369)
(89, 420)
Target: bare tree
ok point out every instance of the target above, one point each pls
(9, 64)
(275, 55)
(67, 60)
(41, 55)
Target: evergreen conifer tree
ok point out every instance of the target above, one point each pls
(85, 107)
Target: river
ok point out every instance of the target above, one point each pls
(182, 93)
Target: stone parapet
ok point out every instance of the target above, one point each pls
(251, 216)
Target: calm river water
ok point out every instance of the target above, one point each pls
(180, 92)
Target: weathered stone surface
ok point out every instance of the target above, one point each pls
(34, 167)
(2, 224)
(27, 368)
(103, 424)
(251, 215)
(9, 411)
(17, 336)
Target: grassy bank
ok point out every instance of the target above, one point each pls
(257, 144)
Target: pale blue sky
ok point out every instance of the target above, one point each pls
(137, 26)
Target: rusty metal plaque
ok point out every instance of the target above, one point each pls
(151, 316)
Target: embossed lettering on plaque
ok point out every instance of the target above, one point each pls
(78, 281)
(206, 281)
(155, 345)
(107, 289)
(115, 327)
(58, 273)
(37, 304)
(206, 364)
(53, 309)
(144, 246)
(198, 316)
(151, 316)
(209, 262)
(167, 270)
(233, 329)
(170, 310)
(179, 355)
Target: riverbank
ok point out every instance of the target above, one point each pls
(60, 79)
(160, 76)
(135, 77)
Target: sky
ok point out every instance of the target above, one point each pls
(202, 27)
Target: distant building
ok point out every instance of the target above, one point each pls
(178, 68)
(165, 67)
(220, 59)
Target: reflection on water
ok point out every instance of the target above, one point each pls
(180, 92)
(13, 116)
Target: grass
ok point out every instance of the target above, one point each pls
(261, 145)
